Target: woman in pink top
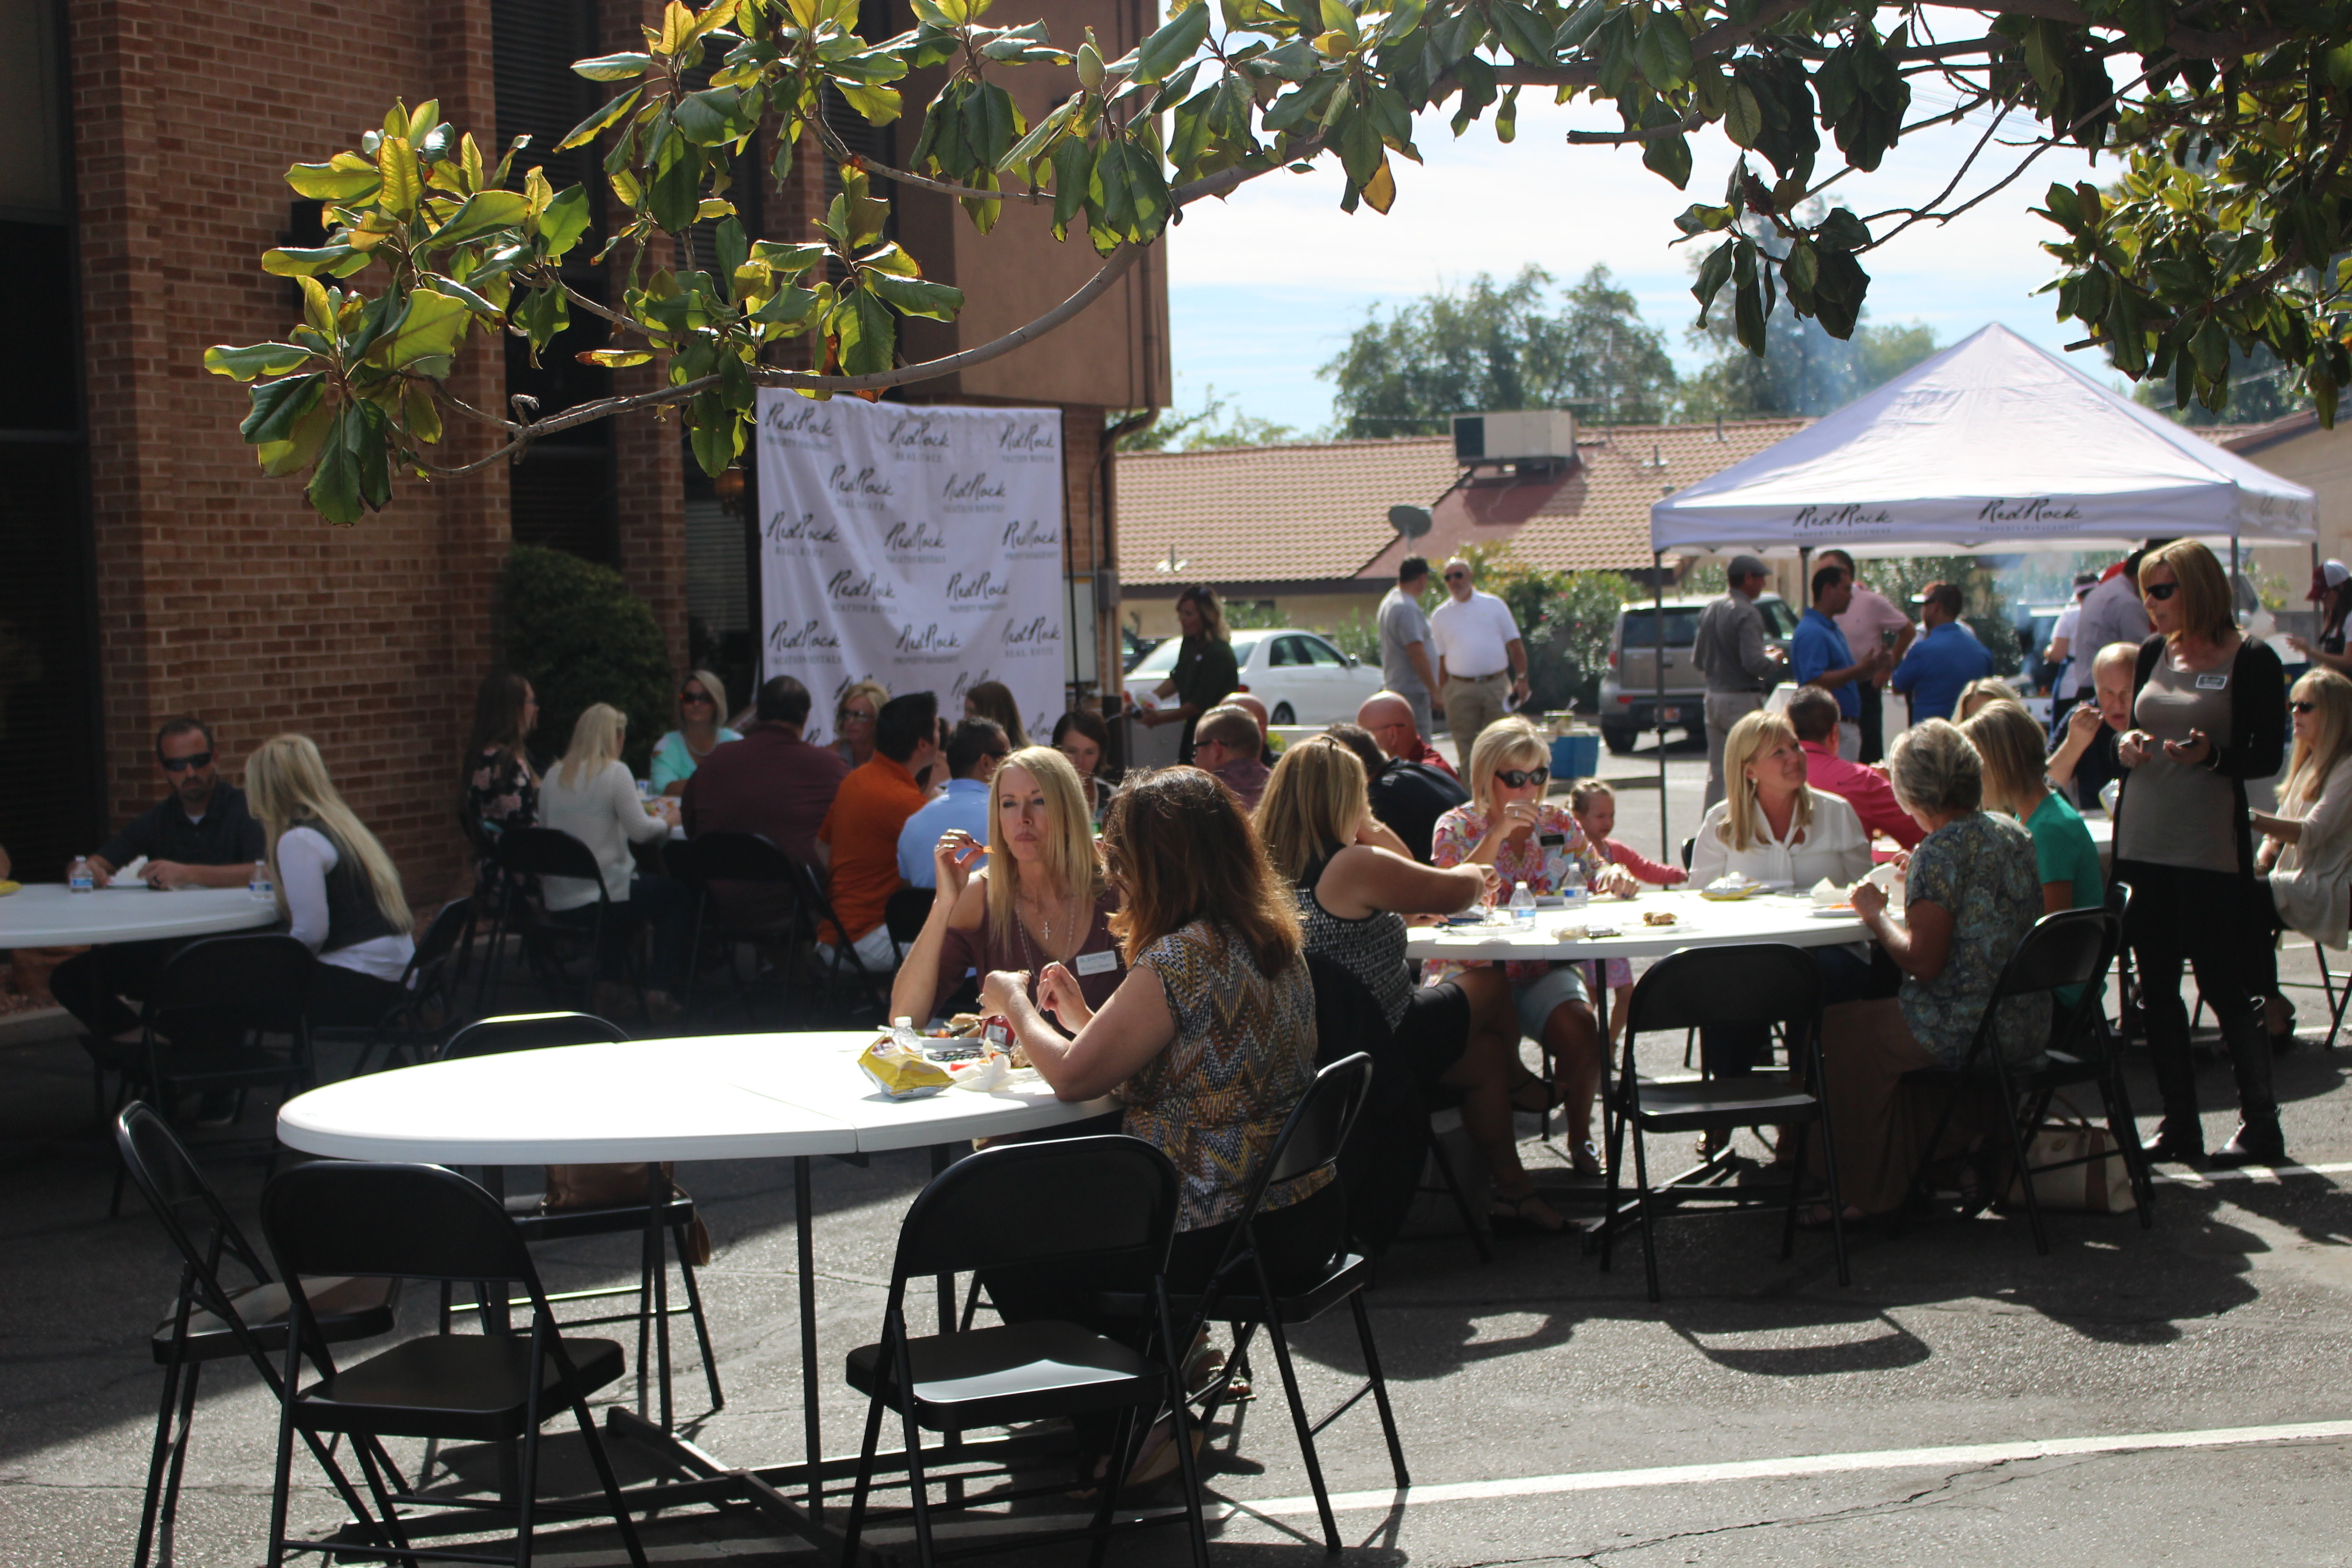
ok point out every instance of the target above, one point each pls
(1594, 805)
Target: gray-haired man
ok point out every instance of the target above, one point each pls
(1741, 667)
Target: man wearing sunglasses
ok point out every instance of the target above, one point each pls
(199, 836)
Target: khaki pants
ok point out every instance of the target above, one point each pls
(1849, 740)
(1472, 705)
(1724, 708)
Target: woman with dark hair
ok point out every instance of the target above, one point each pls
(2331, 590)
(1205, 673)
(993, 699)
(2209, 712)
(1082, 737)
(501, 787)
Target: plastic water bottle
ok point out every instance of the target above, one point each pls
(259, 885)
(1523, 906)
(1572, 888)
(80, 877)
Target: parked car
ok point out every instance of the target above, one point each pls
(1628, 690)
(1301, 678)
(2034, 624)
(1134, 646)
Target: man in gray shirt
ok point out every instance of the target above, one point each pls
(1404, 642)
(1741, 667)
(2113, 611)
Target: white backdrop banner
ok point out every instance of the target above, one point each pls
(918, 546)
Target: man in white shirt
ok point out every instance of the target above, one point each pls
(1405, 666)
(1482, 663)
(1866, 623)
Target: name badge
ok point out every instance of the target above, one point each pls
(1103, 962)
(2212, 682)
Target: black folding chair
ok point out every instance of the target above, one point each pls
(205, 1016)
(547, 943)
(429, 989)
(666, 1216)
(1241, 1292)
(211, 1320)
(2074, 947)
(1696, 988)
(422, 1222)
(750, 864)
(1111, 1199)
(815, 914)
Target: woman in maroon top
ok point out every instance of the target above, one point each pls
(1040, 899)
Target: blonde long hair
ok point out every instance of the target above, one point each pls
(2009, 745)
(1743, 818)
(1070, 858)
(287, 782)
(1314, 802)
(1496, 744)
(595, 741)
(2206, 609)
(2313, 760)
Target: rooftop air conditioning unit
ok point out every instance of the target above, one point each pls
(1545, 436)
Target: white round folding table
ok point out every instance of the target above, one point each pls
(1699, 921)
(725, 1097)
(48, 914)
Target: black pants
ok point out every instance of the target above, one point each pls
(344, 998)
(90, 985)
(1873, 724)
(1730, 1048)
(2200, 919)
(657, 901)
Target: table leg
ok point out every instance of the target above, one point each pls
(941, 1158)
(813, 1449)
(655, 1277)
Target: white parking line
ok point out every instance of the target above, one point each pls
(1960, 1456)
(2255, 1173)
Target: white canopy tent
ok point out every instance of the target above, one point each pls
(1992, 443)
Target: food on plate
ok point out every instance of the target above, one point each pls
(1658, 917)
(1828, 894)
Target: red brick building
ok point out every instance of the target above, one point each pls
(151, 568)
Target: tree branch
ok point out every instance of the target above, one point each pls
(833, 144)
(2186, 42)
(1689, 122)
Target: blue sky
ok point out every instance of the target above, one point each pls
(1267, 285)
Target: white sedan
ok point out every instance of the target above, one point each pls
(1300, 678)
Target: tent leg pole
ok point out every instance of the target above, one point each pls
(1658, 708)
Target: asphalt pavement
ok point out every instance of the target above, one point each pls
(2165, 1395)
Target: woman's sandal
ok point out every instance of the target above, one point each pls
(1510, 1216)
(1546, 1098)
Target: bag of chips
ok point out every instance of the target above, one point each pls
(900, 1072)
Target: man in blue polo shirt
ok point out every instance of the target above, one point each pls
(1821, 657)
(1944, 660)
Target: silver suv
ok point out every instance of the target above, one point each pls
(1629, 691)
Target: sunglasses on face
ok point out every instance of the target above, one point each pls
(693, 697)
(851, 716)
(182, 764)
(1455, 576)
(2306, 707)
(2161, 590)
(1519, 778)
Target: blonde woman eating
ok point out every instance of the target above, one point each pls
(2306, 857)
(1354, 894)
(592, 796)
(1509, 825)
(335, 884)
(1035, 895)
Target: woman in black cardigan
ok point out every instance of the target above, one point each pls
(2209, 712)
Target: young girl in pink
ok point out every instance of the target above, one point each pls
(1595, 806)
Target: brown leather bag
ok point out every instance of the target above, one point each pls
(609, 1186)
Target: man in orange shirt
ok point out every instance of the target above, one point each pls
(859, 839)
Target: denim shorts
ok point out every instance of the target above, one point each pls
(1538, 998)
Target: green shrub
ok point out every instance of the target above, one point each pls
(574, 629)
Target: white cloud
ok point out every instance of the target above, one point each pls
(1266, 285)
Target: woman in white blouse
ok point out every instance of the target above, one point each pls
(592, 796)
(336, 886)
(2307, 843)
(1773, 826)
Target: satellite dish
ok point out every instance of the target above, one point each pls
(1412, 522)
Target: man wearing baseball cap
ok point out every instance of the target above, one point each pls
(1942, 661)
(1741, 667)
(2331, 590)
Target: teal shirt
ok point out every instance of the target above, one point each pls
(673, 763)
(2063, 852)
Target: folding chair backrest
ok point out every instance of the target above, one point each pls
(727, 856)
(1748, 982)
(1319, 1124)
(175, 1189)
(2070, 948)
(531, 1032)
(262, 976)
(418, 1222)
(1029, 1203)
(548, 852)
(441, 937)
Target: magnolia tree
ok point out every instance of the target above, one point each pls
(2229, 123)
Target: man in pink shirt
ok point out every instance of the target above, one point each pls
(1865, 622)
(1813, 714)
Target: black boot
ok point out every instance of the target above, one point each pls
(2182, 1137)
(2258, 1141)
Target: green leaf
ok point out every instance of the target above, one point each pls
(787, 260)
(1663, 51)
(615, 359)
(563, 221)
(344, 178)
(300, 446)
(914, 297)
(309, 263)
(1743, 117)
(1166, 50)
(863, 323)
(403, 187)
(614, 68)
(716, 446)
(482, 213)
(713, 116)
(1713, 273)
(677, 194)
(733, 248)
(1841, 229)
(786, 308)
(334, 487)
(254, 360)
(431, 326)
(1670, 157)
(277, 405)
(1074, 167)
(588, 129)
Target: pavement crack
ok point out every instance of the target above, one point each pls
(1999, 1473)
